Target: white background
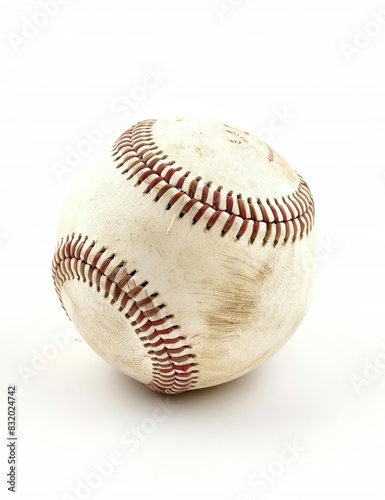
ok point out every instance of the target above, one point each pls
(241, 67)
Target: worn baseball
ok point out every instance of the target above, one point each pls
(182, 253)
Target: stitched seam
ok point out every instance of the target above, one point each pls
(278, 220)
(173, 367)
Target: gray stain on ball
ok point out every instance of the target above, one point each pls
(234, 302)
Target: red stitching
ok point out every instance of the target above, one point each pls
(136, 154)
(135, 150)
(173, 368)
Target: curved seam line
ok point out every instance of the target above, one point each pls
(139, 137)
(58, 262)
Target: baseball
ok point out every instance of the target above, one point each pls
(181, 253)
